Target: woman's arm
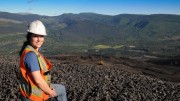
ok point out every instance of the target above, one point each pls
(42, 84)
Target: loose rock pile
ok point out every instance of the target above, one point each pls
(90, 82)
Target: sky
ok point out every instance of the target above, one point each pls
(106, 7)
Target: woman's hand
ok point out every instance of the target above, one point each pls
(52, 93)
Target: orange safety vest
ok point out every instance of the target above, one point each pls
(28, 87)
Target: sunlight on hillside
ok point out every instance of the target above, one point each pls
(117, 46)
(107, 46)
(102, 46)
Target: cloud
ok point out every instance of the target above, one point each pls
(31, 1)
(30, 9)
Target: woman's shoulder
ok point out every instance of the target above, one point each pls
(31, 61)
(30, 56)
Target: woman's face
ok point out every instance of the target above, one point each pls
(37, 41)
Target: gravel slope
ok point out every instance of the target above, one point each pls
(90, 82)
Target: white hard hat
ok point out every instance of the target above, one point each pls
(37, 27)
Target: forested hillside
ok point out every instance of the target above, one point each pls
(124, 34)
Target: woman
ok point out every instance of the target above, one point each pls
(35, 80)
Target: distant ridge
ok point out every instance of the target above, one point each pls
(9, 20)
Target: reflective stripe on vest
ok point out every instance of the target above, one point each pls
(27, 85)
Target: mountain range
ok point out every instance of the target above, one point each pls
(123, 34)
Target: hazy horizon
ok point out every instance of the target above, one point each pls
(107, 7)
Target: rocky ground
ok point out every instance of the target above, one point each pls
(115, 80)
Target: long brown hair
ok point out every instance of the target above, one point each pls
(27, 42)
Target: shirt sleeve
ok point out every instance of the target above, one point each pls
(31, 62)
